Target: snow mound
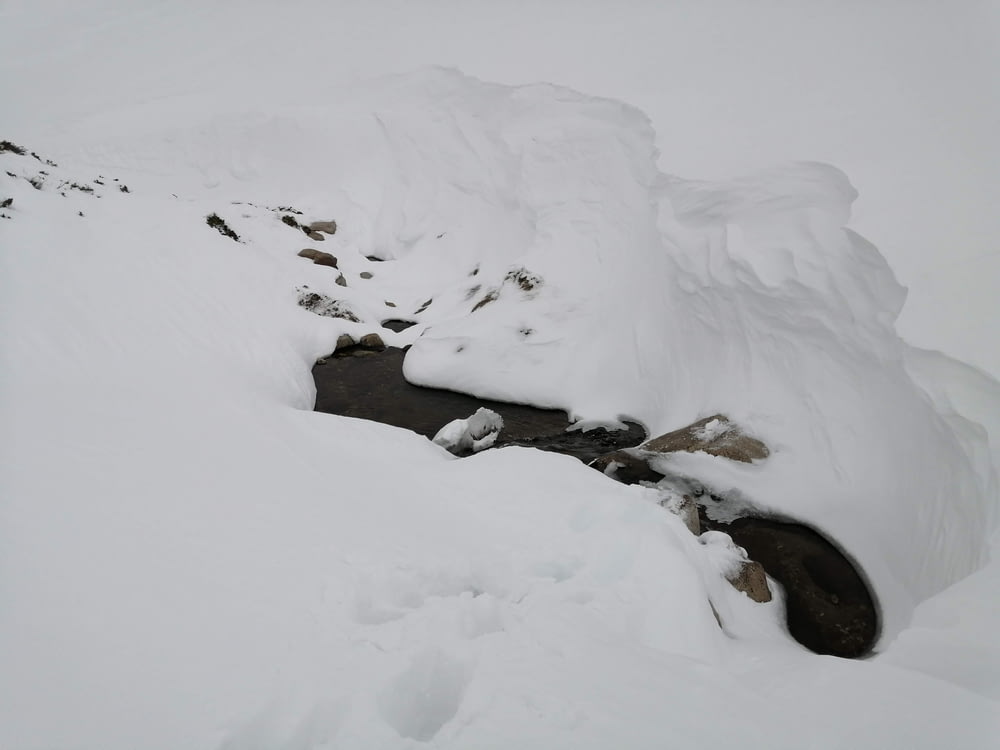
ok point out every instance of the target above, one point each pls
(178, 525)
(477, 433)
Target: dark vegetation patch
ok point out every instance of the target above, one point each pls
(219, 224)
(327, 307)
(524, 279)
(13, 148)
(491, 296)
(7, 203)
(77, 186)
(473, 291)
(290, 221)
(424, 306)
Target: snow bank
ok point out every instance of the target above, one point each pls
(189, 557)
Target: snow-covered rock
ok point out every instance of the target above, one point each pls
(477, 433)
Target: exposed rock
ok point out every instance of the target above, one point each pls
(344, 341)
(329, 227)
(752, 581)
(341, 281)
(365, 275)
(325, 259)
(714, 435)
(683, 506)
(743, 573)
(315, 236)
(372, 341)
(319, 257)
(390, 304)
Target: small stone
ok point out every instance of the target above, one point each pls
(752, 581)
(684, 507)
(325, 259)
(315, 236)
(341, 281)
(365, 275)
(390, 304)
(372, 341)
(344, 341)
(309, 252)
(330, 227)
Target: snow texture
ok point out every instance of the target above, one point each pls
(191, 558)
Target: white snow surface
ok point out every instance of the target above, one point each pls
(190, 557)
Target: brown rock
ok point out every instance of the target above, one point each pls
(365, 275)
(685, 508)
(714, 435)
(315, 236)
(309, 252)
(344, 341)
(752, 581)
(325, 259)
(341, 281)
(330, 227)
(372, 341)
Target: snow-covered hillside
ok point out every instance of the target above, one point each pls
(191, 557)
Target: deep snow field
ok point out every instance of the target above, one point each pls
(190, 557)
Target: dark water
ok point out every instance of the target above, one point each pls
(369, 384)
(829, 608)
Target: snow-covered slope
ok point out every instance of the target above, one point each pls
(190, 557)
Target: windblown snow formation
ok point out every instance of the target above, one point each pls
(190, 557)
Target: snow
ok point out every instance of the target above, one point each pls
(190, 557)
(477, 433)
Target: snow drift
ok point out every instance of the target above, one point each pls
(191, 558)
